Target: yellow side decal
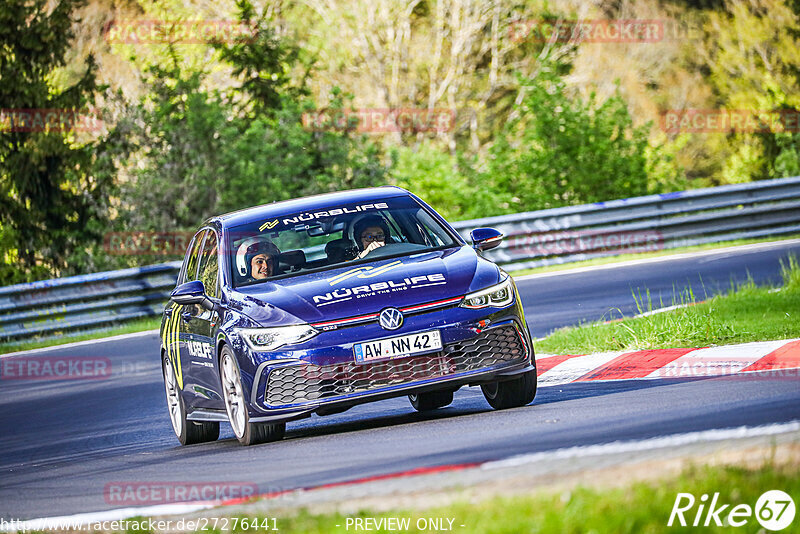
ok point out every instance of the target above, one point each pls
(176, 315)
(172, 343)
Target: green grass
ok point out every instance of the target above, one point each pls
(641, 507)
(644, 255)
(138, 325)
(746, 313)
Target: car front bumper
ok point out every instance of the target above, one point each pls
(477, 348)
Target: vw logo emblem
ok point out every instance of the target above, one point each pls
(391, 319)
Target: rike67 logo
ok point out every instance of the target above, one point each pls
(774, 510)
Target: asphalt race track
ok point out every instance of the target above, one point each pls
(62, 442)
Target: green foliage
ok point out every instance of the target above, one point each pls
(664, 173)
(752, 56)
(194, 145)
(433, 174)
(746, 313)
(178, 135)
(261, 63)
(49, 197)
(786, 162)
(278, 158)
(564, 150)
(199, 152)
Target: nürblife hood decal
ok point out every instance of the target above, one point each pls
(370, 287)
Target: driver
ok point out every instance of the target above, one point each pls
(257, 258)
(370, 233)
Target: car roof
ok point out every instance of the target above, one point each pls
(298, 205)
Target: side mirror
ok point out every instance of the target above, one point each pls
(191, 293)
(485, 238)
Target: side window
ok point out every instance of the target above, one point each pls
(209, 265)
(433, 233)
(397, 234)
(184, 266)
(194, 254)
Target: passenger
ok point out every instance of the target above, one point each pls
(370, 233)
(257, 258)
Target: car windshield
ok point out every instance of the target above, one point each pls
(342, 234)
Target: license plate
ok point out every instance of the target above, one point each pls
(397, 347)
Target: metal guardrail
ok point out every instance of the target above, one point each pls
(641, 224)
(52, 307)
(537, 238)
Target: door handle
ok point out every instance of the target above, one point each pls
(187, 316)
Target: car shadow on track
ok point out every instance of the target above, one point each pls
(582, 390)
(317, 426)
(467, 402)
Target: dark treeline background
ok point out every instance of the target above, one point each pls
(192, 130)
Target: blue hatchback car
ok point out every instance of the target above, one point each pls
(315, 305)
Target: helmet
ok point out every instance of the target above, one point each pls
(249, 249)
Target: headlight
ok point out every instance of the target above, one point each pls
(264, 339)
(496, 296)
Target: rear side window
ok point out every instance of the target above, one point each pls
(194, 254)
(209, 265)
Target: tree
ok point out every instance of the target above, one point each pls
(50, 201)
(177, 133)
(566, 151)
(201, 152)
(752, 55)
(434, 175)
(459, 55)
(279, 158)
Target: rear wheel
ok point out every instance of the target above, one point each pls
(236, 405)
(188, 432)
(511, 393)
(423, 402)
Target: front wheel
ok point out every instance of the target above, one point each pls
(188, 432)
(511, 393)
(236, 405)
(423, 402)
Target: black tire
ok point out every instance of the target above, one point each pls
(424, 402)
(246, 432)
(188, 432)
(263, 433)
(511, 393)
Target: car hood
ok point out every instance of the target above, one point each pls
(366, 288)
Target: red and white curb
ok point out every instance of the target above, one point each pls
(775, 359)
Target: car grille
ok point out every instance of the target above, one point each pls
(307, 383)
